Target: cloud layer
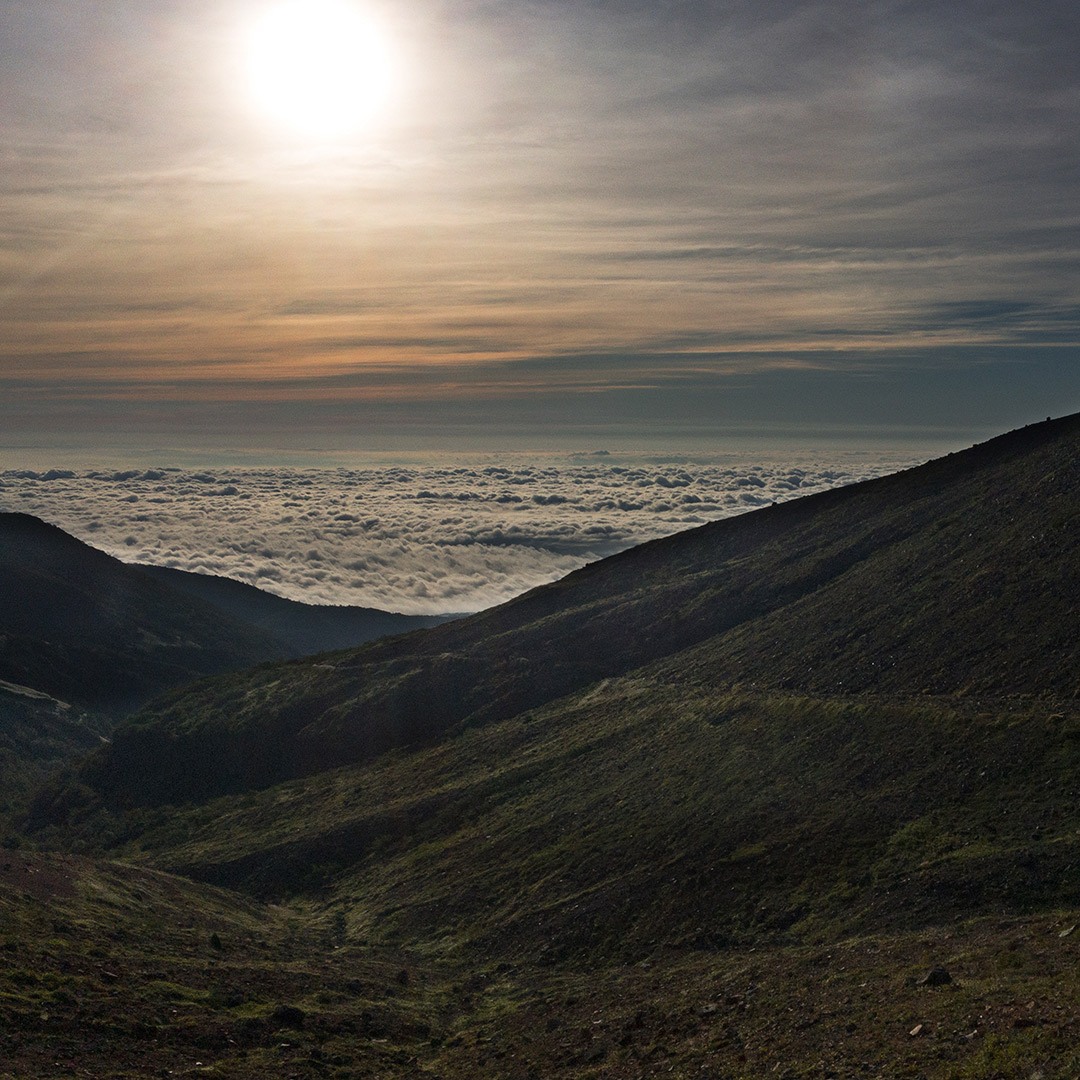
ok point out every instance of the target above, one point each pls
(450, 535)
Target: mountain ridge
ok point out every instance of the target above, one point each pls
(470, 852)
(305, 629)
(83, 626)
(742, 592)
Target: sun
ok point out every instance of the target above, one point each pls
(318, 68)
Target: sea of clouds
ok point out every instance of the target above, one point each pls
(426, 537)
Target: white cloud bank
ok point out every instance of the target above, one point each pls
(452, 535)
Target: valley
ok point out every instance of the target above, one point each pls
(721, 805)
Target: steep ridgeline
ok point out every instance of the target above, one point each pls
(84, 627)
(304, 629)
(960, 577)
(78, 625)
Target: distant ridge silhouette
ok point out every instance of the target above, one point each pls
(89, 629)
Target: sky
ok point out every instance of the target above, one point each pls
(586, 224)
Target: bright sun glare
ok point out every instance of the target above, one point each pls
(319, 68)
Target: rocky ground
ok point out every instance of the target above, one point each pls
(111, 971)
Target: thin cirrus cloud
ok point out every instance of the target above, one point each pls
(554, 180)
(437, 535)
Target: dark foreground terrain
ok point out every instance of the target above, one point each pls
(112, 971)
(795, 794)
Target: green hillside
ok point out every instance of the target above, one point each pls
(958, 577)
(586, 812)
(715, 807)
(646, 814)
(112, 971)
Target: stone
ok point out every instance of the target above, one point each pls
(288, 1016)
(937, 976)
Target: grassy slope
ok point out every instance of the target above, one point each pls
(668, 870)
(647, 813)
(670, 796)
(115, 972)
(648, 879)
(959, 576)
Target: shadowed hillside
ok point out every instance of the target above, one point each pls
(957, 577)
(793, 794)
(80, 625)
(304, 629)
(38, 734)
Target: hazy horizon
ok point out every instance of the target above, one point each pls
(425, 534)
(536, 225)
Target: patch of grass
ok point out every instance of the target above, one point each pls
(623, 822)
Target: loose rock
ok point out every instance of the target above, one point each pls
(937, 976)
(288, 1016)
